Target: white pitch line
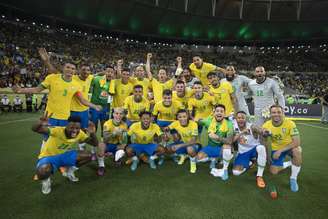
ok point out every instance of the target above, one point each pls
(17, 120)
(314, 126)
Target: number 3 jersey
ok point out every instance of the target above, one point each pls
(60, 96)
(246, 142)
(58, 143)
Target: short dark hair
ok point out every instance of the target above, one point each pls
(137, 86)
(276, 106)
(74, 119)
(219, 105)
(242, 112)
(197, 55)
(167, 92)
(197, 82)
(126, 69)
(144, 112)
(211, 74)
(180, 82)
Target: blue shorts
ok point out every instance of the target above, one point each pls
(67, 159)
(280, 161)
(149, 149)
(111, 148)
(162, 123)
(244, 158)
(84, 115)
(212, 151)
(184, 149)
(96, 116)
(57, 122)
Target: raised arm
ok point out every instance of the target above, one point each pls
(31, 90)
(85, 102)
(92, 139)
(46, 60)
(41, 126)
(148, 69)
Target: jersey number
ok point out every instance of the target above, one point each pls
(63, 146)
(259, 93)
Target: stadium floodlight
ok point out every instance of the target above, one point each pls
(107, 37)
(3, 16)
(17, 19)
(61, 29)
(47, 26)
(33, 23)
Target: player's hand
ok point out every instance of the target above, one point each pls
(45, 118)
(91, 127)
(117, 131)
(276, 154)
(179, 59)
(149, 55)
(214, 136)
(98, 108)
(266, 133)
(44, 54)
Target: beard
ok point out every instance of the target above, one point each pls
(230, 78)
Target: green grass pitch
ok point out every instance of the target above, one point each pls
(168, 192)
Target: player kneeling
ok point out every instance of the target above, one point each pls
(184, 133)
(58, 149)
(285, 140)
(115, 139)
(220, 133)
(247, 137)
(145, 137)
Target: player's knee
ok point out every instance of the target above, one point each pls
(274, 170)
(191, 151)
(129, 151)
(44, 171)
(236, 172)
(160, 150)
(201, 156)
(297, 156)
(226, 146)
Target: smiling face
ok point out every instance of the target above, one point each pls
(85, 72)
(219, 113)
(241, 120)
(72, 129)
(137, 94)
(167, 100)
(230, 73)
(69, 70)
(198, 89)
(277, 115)
(140, 72)
(183, 118)
(145, 121)
(197, 61)
(213, 79)
(180, 88)
(109, 72)
(118, 115)
(125, 75)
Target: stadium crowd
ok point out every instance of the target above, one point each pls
(21, 65)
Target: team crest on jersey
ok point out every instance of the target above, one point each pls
(284, 130)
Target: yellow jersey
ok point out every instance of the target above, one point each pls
(85, 87)
(184, 100)
(109, 126)
(158, 88)
(122, 91)
(201, 73)
(202, 107)
(222, 95)
(141, 136)
(60, 95)
(145, 83)
(135, 108)
(188, 132)
(167, 113)
(58, 143)
(281, 135)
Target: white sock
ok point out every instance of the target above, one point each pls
(261, 159)
(238, 172)
(82, 146)
(204, 159)
(226, 154)
(295, 171)
(287, 164)
(192, 159)
(101, 161)
(119, 154)
(93, 150)
(153, 157)
(134, 158)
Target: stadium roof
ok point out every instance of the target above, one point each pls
(207, 20)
